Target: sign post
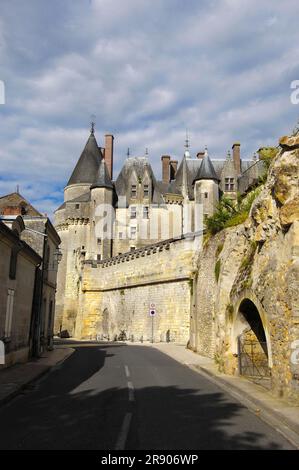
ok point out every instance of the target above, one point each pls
(152, 313)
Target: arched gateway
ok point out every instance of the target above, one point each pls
(250, 339)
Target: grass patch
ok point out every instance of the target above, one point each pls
(219, 249)
(217, 269)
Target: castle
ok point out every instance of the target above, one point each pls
(146, 212)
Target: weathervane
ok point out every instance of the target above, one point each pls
(92, 124)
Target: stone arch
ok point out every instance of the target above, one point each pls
(250, 314)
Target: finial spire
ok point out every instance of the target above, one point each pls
(228, 156)
(146, 152)
(206, 151)
(128, 152)
(92, 123)
(187, 145)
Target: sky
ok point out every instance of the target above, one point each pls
(147, 70)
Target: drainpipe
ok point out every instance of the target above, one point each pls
(37, 320)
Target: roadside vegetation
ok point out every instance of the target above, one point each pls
(230, 213)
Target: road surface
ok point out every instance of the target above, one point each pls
(114, 396)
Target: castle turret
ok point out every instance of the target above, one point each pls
(206, 186)
(102, 214)
(85, 171)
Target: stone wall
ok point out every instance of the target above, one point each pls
(116, 294)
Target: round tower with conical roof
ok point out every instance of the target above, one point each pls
(85, 170)
(101, 214)
(206, 186)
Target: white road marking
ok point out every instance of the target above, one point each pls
(127, 371)
(131, 391)
(123, 435)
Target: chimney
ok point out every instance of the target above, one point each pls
(173, 169)
(237, 157)
(165, 168)
(108, 154)
(200, 155)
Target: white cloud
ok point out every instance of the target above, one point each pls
(147, 70)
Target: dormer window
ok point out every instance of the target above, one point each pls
(229, 184)
(133, 191)
(146, 190)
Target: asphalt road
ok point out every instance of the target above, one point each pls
(113, 396)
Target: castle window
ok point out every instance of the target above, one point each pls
(132, 248)
(206, 195)
(77, 206)
(133, 233)
(133, 212)
(133, 191)
(229, 184)
(98, 257)
(99, 241)
(120, 235)
(146, 190)
(145, 212)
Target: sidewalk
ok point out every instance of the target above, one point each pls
(278, 413)
(16, 378)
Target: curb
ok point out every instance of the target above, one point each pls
(38, 376)
(273, 417)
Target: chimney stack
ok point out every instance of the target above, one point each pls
(237, 157)
(173, 169)
(200, 155)
(108, 154)
(165, 168)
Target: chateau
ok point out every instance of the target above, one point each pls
(146, 212)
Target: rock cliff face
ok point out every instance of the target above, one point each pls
(248, 284)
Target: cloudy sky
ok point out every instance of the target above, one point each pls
(147, 69)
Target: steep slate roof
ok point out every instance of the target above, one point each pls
(206, 170)
(139, 165)
(87, 166)
(82, 198)
(103, 179)
(185, 176)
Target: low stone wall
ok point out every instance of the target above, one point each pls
(116, 294)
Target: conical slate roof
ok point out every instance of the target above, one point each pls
(206, 170)
(88, 163)
(103, 179)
